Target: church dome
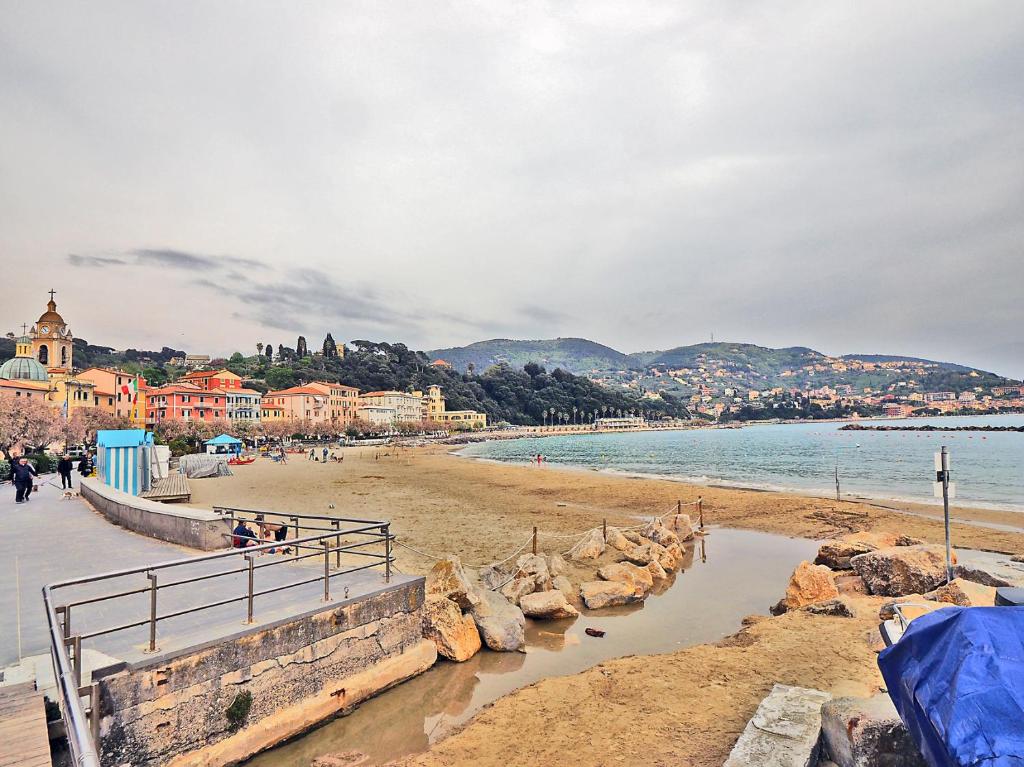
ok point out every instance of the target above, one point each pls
(51, 315)
(23, 369)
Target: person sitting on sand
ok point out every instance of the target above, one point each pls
(243, 537)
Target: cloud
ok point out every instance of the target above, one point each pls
(94, 262)
(179, 259)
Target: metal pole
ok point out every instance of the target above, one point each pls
(152, 611)
(327, 570)
(94, 711)
(837, 481)
(945, 512)
(337, 545)
(297, 536)
(76, 648)
(387, 553)
(252, 573)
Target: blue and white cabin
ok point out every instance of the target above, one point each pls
(123, 459)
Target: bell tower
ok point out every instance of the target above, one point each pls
(52, 342)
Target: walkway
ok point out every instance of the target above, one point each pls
(50, 539)
(23, 738)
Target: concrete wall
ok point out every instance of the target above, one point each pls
(184, 525)
(173, 711)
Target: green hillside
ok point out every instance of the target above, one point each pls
(575, 355)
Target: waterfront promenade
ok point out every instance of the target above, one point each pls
(50, 539)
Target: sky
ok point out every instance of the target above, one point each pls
(847, 176)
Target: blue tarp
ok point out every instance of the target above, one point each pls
(957, 679)
(223, 439)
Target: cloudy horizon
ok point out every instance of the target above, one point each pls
(843, 176)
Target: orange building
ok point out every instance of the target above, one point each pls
(343, 401)
(117, 392)
(184, 401)
(213, 379)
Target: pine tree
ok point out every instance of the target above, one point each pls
(300, 348)
(281, 356)
(330, 347)
(269, 351)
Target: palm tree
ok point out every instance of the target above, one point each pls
(259, 348)
(544, 414)
(604, 410)
(574, 409)
(552, 412)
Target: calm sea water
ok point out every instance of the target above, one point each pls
(988, 468)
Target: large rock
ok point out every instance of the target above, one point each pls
(964, 593)
(851, 584)
(836, 554)
(867, 732)
(682, 526)
(644, 553)
(836, 608)
(447, 578)
(617, 540)
(455, 635)
(657, 571)
(536, 567)
(657, 532)
(902, 570)
(517, 588)
(556, 565)
(547, 605)
(589, 547)
(563, 584)
(912, 606)
(638, 578)
(598, 594)
(502, 625)
(784, 731)
(879, 540)
(633, 537)
(808, 584)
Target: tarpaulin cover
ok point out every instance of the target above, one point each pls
(957, 679)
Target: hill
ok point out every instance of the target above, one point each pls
(575, 355)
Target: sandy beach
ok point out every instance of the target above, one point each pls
(690, 705)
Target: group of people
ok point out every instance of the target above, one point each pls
(23, 474)
(538, 459)
(327, 455)
(244, 537)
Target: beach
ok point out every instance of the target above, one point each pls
(690, 704)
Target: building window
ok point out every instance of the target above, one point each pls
(44, 355)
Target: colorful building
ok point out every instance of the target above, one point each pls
(407, 407)
(213, 379)
(184, 401)
(343, 401)
(117, 392)
(298, 403)
(52, 342)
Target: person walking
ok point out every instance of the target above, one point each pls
(64, 467)
(325, 454)
(22, 473)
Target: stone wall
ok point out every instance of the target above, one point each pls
(218, 705)
(184, 525)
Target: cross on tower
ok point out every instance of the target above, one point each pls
(52, 291)
(24, 329)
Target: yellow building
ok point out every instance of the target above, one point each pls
(117, 392)
(435, 409)
(23, 375)
(52, 342)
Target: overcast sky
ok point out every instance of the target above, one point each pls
(206, 175)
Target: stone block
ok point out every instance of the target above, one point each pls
(784, 731)
(867, 732)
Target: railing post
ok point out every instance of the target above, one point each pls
(679, 507)
(700, 511)
(604, 530)
(252, 573)
(337, 544)
(66, 627)
(297, 536)
(327, 570)
(387, 553)
(94, 712)
(152, 611)
(535, 540)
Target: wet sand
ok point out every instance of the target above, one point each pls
(683, 708)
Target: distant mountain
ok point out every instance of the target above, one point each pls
(574, 355)
(760, 359)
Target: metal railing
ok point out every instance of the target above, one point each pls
(81, 720)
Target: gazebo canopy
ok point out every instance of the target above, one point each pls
(223, 439)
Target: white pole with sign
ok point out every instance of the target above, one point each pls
(946, 489)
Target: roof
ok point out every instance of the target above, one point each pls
(333, 385)
(223, 439)
(387, 393)
(23, 369)
(123, 437)
(51, 315)
(294, 390)
(210, 374)
(24, 384)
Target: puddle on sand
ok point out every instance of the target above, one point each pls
(740, 573)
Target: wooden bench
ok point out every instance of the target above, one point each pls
(174, 487)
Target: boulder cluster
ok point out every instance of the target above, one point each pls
(880, 564)
(466, 610)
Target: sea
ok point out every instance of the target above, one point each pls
(987, 468)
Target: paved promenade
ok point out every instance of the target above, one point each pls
(50, 539)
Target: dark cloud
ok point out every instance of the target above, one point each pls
(179, 259)
(94, 261)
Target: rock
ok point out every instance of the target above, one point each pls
(547, 605)
(906, 540)
(617, 540)
(1017, 558)
(864, 732)
(598, 594)
(454, 634)
(492, 577)
(682, 526)
(556, 565)
(808, 584)
(645, 553)
(638, 578)
(657, 532)
(590, 547)
(657, 571)
(988, 576)
(346, 759)
(447, 578)
(836, 554)
(673, 557)
(633, 537)
(964, 593)
(851, 584)
(784, 731)
(502, 625)
(517, 588)
(536, 567)
(563, 584)
(902, 570)
(878, 540)
(837, 608)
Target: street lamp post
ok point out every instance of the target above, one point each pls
(948, 490)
